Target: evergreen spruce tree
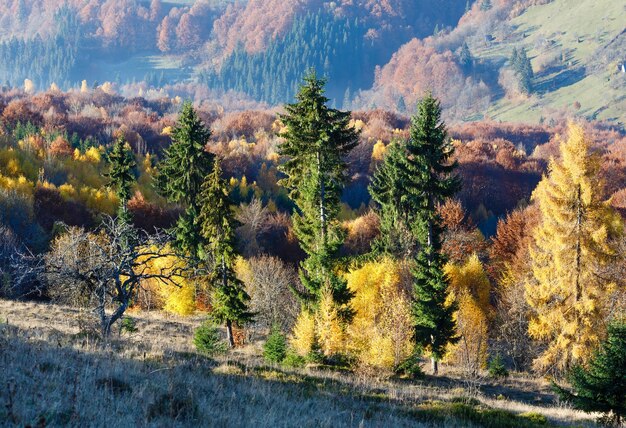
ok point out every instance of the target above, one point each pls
(121, 175)
(429, 181)
(181, 174)
(524, 70)
(315, 144)
(217, 222)
(465, 57)
(601, 386)
(388, 191)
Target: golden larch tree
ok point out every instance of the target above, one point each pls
(571, 244)
(471, 289)
(380, 335)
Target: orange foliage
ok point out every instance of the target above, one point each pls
(60, 147)
(438, 73)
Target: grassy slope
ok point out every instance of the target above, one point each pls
(595, 23)
(52, 372)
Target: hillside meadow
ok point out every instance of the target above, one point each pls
(56, 374)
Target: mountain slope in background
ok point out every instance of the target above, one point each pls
(575, 48)
(383, 54)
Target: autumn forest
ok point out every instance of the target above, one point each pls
(266, 237)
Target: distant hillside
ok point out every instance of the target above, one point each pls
(376, 54)
(574, 48)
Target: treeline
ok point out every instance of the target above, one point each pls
(336, 46)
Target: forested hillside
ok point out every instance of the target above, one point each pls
(376, 54)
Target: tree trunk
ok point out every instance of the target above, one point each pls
(579, 220)
(434, 365)
(229, 334)
(322, 198)
(229, 323)
(431, 232)
(119, 313)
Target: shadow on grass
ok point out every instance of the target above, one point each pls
(90, 386)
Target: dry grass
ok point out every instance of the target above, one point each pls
(51, 374)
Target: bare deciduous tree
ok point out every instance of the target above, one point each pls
(103, 270)
(267, 282)
(253, 219)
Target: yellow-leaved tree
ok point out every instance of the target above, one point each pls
(319, 331)
(303, 340)
(380, 334)
(470, 288)
(571, 244)
(329, 326)
(178, 298)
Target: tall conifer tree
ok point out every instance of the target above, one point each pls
(181, 174)
(315, 144)
(121, 176)
(429, 181)
(388, 191)
(217, 222)
(524, 70)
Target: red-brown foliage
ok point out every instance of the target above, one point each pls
(513, 236)
(148, 216)
(245, 124)
(21, 110)
(60, 147)
(527, 134)
(461, 238)
(256, 24)
(618, 201)
(437, 72)
(360, 234)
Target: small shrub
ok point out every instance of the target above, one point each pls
(536, 418)
(208, 340)
(411, 367)
(275, 348)
(315, 356)
(497, 369)
(294, 360)
(128, 325)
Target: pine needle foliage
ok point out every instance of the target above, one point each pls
(275, 347)
(121, 175)
(218, 224)
(181, 173)
(316, 141)
(430, 180)
(601, 386)
(388, 191)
